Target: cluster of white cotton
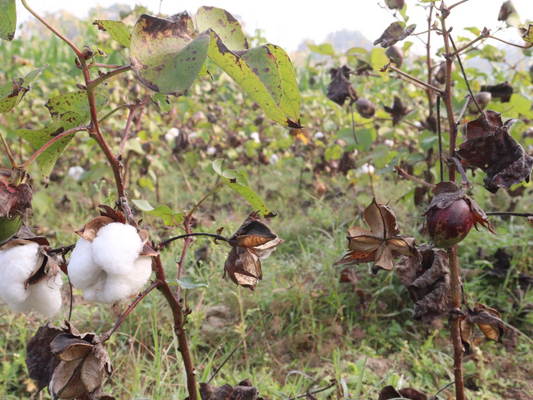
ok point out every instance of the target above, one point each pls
(171, 134)
(16, 266)
(109, 268)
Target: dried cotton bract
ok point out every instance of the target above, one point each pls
(18, 261)
(106, 263)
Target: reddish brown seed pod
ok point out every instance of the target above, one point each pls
(449, 226)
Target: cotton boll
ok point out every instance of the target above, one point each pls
(93, 292)
(16, 265)
(45, 296)
(389, 142)
(119, 287)
(255, 137)
(75, 172)
(367, 169)
(82, 269)
(116, 247)
(274, 159)
(172, 133)
(318, 135)
(211, 151)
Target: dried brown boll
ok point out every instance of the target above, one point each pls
(365, 108)
(396, 54)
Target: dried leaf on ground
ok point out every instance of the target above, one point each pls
(388, 392)
(490, 147)
(242, 391)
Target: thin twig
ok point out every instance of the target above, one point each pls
(186, 235)
(512, 44)
(412, 78)
(464, 75)
(110, 113)
(91, 85)
(54, 31)
(465, 182)
(203, 199)
(445, 387)
(122, 318)
(314, 392)
(440, 139)
(483, 35)
(126, 131)
(98, 65)
(456, 4)
(463, 110)
(238, 345)
(510, 214)
(11, 159)
(353, 124)
(401, 172)
(51, 142)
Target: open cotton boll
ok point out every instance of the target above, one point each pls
(16, 266)
(82, 269)
(119, 287)
(93, 292)
(116, 247)
(45, 296)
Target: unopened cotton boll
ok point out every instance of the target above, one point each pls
(16, 266)
(110, 269)
(172, 133)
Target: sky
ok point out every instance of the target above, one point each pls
(289, 22)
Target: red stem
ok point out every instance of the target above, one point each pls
(126, 132)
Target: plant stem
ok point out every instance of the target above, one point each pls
(440, 140)
(179, 329)
(51, 142)
(54, 31)
(11, 159)
(91, 85)
(412, 78)
(401, 172)
(126, 132)
(455, 284)
(483, 35)
(428, 62)
(213, 235)
(98, 65)
(464, 75)
(122, 318)
(455, 329)
(456, 4)
(110, 113)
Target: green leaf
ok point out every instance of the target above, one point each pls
(379, 60)
(242, 73)
(290, 102)
(13, 92)
(8, 19)
(162, 211)
(116, 29)
(162, 101)
(324, 49)
(238, 182)
(166, 54)
(224, 24)
(356, 50)
(264, 65)
(189, 283)
(67, 111)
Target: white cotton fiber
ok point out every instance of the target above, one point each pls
(82, 270)
(109, 269)
(16, 266)
(45, 296)
(116, 247)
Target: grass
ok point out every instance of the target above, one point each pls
(318, 328)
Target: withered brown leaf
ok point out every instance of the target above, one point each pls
(381, 244)
(490, 147)
(427, 279)
(394, 33)
(502, 91)
(388, 392)
(340, 86)
(397, 111)
(244, 390)
(488, 320)
(39, 360)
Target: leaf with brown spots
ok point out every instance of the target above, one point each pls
(8, 19)
(490, 147)
(14, 91)
(116, 29)
(224, 24)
